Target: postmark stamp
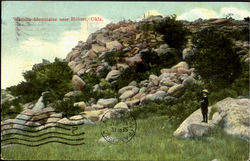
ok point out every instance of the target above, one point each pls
(118, 126)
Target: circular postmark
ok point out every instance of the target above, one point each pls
(118, 126)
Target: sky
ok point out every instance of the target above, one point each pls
(27, 43)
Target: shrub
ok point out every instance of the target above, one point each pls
(215, 60)
(67, 108)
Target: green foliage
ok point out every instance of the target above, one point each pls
(7, 112)
(114, 57)
(54, 77)
(215, 60)
(67, 108)
(154, 131)
(174, 32)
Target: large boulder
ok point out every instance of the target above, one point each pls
(113, 75)
(176, 90)
(109, 102)
(232, 112)
(159, 95)
(78, 83)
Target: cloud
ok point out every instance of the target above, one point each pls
(32, 50)
(237, 13)
(198, 13)
(12, 69)
(209, 13)
(148, 14)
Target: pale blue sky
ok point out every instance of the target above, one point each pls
(22, 46)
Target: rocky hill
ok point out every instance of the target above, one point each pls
(127, 59)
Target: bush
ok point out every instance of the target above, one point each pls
(215, 60)
(67, 108)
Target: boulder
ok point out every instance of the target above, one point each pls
(100, 39)
(189, 81)
(113, 45)
(73, 94)
(127, 94)
(78, 83)
(168, 71)
(235, 114)
(176, 90)
(121, 105)
(131, 61)
(113, 75)
(133, 83)
(72, 55)
(153, 78)
(159, 95)
(91, 54)
(126, 88)
(109, 102)
(81, 105)
(183, 71)
(98, 48)
(133, 102)
(97, 106)
(181, 64)
(92, 115)
(108, 139)
(164, 48)
(187, 52)
(78, 67)
(232, 112)
(167, 82)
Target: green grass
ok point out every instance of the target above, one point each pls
(153, 141)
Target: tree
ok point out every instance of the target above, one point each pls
(54, 77)
(174, 32)
(215, 59)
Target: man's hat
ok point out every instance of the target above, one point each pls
(204, 91)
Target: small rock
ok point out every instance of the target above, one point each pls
(182, 64)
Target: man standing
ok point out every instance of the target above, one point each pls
(204, 105)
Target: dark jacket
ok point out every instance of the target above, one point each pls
(204, 104)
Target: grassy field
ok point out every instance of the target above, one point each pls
(153, 141)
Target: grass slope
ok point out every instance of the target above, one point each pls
(153, 141)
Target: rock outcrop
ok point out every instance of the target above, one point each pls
(232, 113)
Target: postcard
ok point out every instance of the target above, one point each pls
(132, 80)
